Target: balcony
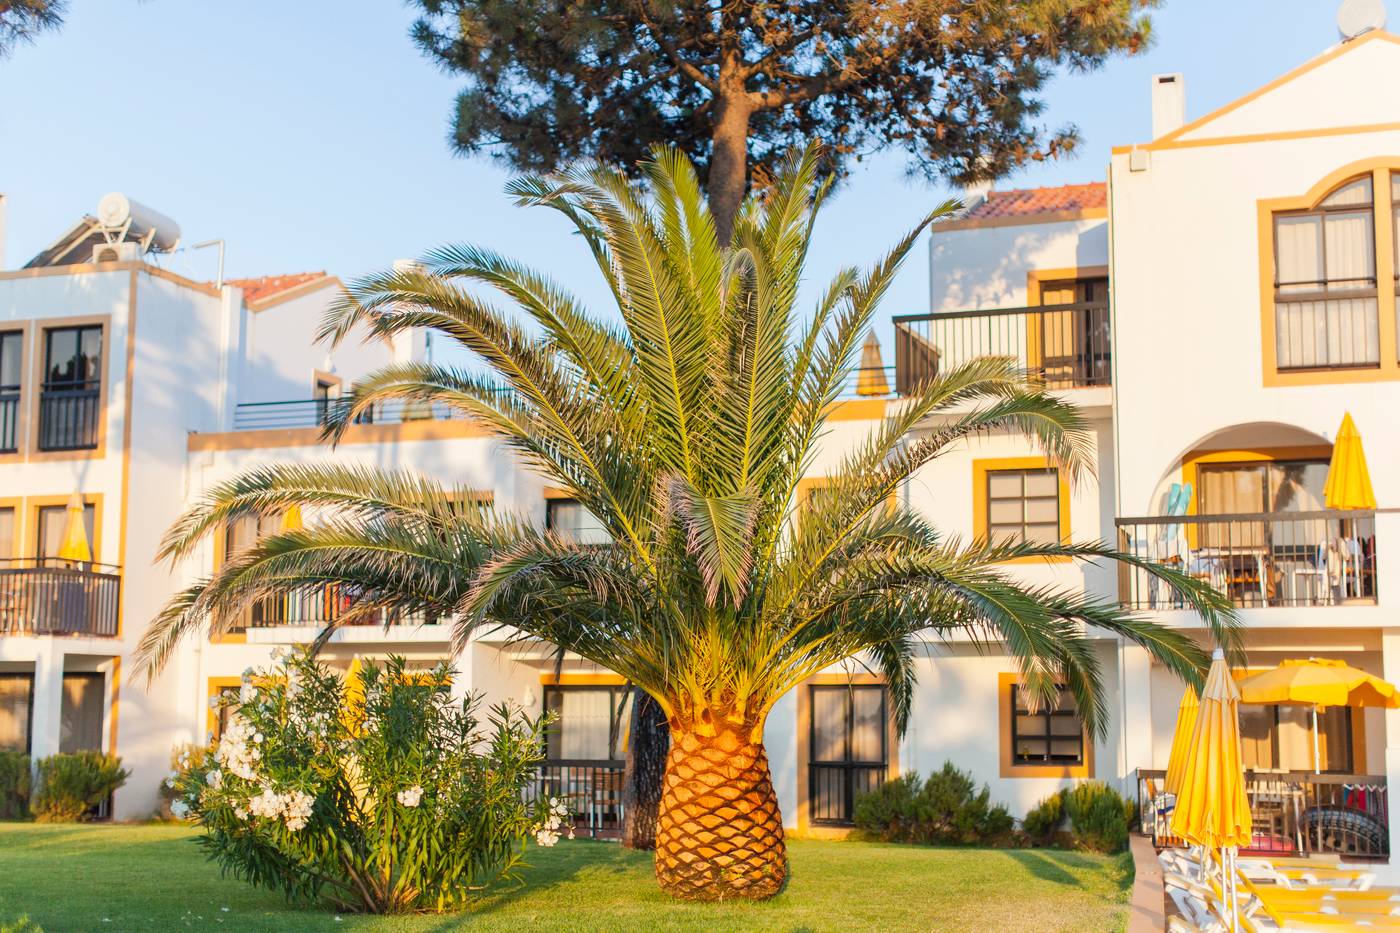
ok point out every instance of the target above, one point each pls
(1294, 812)
(592, 789)
(68, 415)
(314, 412)
(318, 606)
(1323, 558)
(1065, 346)
(47, 596)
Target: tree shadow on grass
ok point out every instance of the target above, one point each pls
(1055, 866)
(566, 862)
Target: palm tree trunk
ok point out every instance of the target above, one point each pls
(719, 834)
(648, 740)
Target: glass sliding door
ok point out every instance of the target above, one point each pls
(849, 753)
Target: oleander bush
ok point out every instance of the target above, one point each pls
(381, 793)
(69, 787)
(1042, 822)
(944, 809)
(14, 785)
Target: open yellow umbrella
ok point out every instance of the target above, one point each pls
(75, 546)
(1212, 809)
(1181, 739)
(1348, 480)
(291, 519)
(871, 378)
(1318, 682)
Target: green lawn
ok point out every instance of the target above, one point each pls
(153, 877)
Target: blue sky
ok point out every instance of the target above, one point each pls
(312, 135)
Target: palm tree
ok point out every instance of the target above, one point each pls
(685, 430)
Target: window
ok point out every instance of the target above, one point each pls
(1049, 735)
(592, 723)
(569, 519)
(1325, 282)
(53, 521)
(11, 375)
(80, 718)
(70, 396)
(849, 748)
(239, 535)
(222, 693)
(7, 533)
(1023, 505)
(1269, 486)
(1074, 344)
(324, 392)
(16, 710)
(1280, 738)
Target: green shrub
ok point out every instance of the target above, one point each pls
(1043, 820)
(1099, 816)
(70, 786)
(946, 809)
(14, 785)
(385, 796)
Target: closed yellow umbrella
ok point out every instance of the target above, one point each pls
(1348, 479)
(1212, 809)
(353, 713)
(75, 546)
(291, 519)
(1318, 682)
(871, 378)
(1181, 739)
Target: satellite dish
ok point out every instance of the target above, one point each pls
(1357, 17)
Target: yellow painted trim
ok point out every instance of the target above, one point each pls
(17, 504)
(26, 366)
(858, 409)
(980, 469)
(1380, 168)
(1190, 464)
(1011, 770)
(33, 453)
(1174, 137)
(90, 268)
(557, 492)
(33, 504)
(213, 686)
(1247, 138)
(804, 742)
(291, 294)
(1021, 220)
(454, 429)
(113, 707)
(319, 376)
(582, 680)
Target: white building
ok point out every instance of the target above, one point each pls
(1216, 306)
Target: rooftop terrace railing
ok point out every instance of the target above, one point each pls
(1066, 346)
(47, 596)
(1321, 558)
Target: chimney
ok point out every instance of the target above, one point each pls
(1168, 103)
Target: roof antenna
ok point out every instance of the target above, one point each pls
(1355, 18)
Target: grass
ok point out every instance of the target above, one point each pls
(153, 877)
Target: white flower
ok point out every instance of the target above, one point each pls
(296, 807)
(233, 751)
(268, 804)
(246, 693)
(545, 838)
(240, 812)
(179, 809)
(411, 796)
(215, 779)
(276, 654)
(214, 701)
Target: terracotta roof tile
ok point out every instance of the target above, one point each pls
(1023, 201)
(260, 289)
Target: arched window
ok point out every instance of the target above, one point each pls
(1325, 281)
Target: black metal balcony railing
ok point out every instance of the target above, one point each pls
(314, 412)
(835, 786)
(1321, 558)
(1324, 330)
(47, 596)
(68, 415)
(9, 419)
(321, 605)
(1066, 346)
(591, 789)
(1294, 812)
